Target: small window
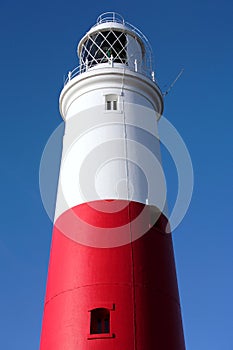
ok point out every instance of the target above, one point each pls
(111, 102)
(109, 105)
(114, 105)
(100, 321)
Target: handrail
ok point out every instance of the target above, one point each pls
(110, 17)
(146, 67)
(82, 68)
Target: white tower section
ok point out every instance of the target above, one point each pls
(111, 105)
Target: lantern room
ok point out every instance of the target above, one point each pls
(114, 42)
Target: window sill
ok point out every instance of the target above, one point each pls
(101, 336)
(113, 111)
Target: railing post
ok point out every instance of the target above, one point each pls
(153, 75)
(111, 60)
(86, 64)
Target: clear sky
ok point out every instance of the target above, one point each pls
(38, 46)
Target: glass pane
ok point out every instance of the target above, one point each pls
(108, 104)
(106, 325)
(100, 321)
(99, 326)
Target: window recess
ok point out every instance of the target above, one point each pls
(100, 326)
(100, 321)
(111, 102)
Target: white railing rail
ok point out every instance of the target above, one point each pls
(145, 67)
(82, 68)
(110, 17)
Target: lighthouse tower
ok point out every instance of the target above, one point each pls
(112, 279)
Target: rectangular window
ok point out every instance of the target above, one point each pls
(109, 105)
(100, 321)
(114, 105)
(111, 102)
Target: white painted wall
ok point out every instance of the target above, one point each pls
(110, 154)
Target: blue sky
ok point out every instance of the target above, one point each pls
(38, 46)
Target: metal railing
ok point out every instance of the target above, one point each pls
(110, 17)
(144, 67)
(93, 65)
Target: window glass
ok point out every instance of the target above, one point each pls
(100, 321)
(111, 102)
(109, 105)
(102, 45)
(114, 105)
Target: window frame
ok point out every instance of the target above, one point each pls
(107, 328)
(111, 102)
(100, 321)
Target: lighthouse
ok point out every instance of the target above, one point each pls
(111, 279)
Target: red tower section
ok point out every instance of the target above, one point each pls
(112, 279)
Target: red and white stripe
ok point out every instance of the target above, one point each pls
(109, 243)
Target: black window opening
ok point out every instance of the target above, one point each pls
(102, 46)
(111, 102)
(100, 321)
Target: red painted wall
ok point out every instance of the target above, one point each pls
(136, 282)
